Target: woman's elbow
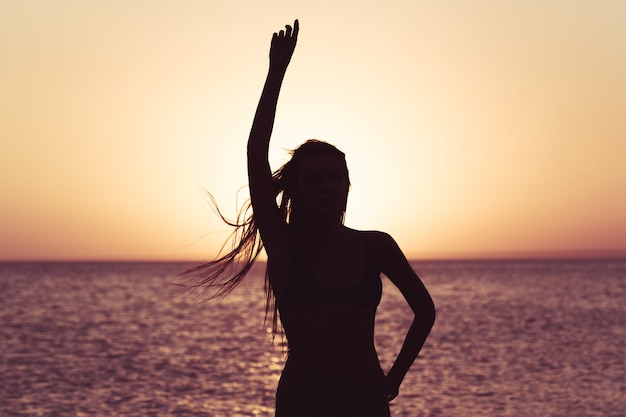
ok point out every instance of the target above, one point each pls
(427, 314)
(429, 317)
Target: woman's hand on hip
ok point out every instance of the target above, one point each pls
(390, 388)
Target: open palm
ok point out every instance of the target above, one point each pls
(283, 45)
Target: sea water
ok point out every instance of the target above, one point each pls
(517, 339)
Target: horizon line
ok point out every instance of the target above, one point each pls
(527, 256)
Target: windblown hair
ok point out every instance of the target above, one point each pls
(216, 279)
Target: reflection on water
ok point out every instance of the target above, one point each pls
(511, 339)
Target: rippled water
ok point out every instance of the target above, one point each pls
(511, 339)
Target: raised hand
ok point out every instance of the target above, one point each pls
(283, 45)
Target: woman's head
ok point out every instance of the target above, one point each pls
(314, 182)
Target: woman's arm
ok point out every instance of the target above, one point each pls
(262, 192)
(397, 268)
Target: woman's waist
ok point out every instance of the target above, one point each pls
(333, 340)
(305, 328)
(331, 376)
(333, 359)
(328, 318)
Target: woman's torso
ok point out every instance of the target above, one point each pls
(328, 320)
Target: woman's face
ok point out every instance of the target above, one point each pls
(322, 187)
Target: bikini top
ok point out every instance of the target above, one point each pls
(303, 288)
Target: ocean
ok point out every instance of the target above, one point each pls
(522, 338)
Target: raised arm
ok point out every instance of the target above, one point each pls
(262, 192)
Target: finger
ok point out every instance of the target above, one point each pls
(392, 395)
(281, 34)
(288, 31)
(296, 29)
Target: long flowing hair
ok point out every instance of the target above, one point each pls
(215, 279)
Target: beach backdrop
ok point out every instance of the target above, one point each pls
(473, 130)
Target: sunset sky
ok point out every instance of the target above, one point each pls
(472, 128)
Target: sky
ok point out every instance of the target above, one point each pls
(473, 129)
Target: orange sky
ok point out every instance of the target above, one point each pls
(472, 129)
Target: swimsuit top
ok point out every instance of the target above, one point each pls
(303, 288)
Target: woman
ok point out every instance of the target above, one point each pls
(322, 276)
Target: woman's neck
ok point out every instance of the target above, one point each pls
(316, 228)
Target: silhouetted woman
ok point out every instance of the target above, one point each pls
(322, 277)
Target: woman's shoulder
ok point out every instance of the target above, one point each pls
(377, 245)
(378, 242)
(375, 236)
